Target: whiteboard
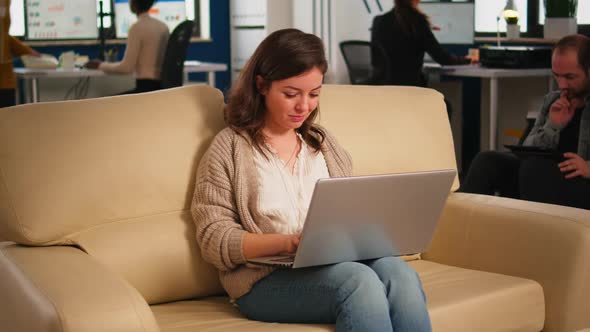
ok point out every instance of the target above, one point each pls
(61, 19)
(456, 21)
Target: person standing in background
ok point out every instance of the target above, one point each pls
(9, 48)
(405, 34)
(144, 55)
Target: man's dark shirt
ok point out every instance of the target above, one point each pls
(568, 136)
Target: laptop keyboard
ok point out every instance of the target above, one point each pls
(283, 260)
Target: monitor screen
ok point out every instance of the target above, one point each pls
(487, 12)
(583, 15)
(171, 12)
(17, 18)
(61, 19)
(452, 22)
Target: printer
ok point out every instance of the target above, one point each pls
(515, 56)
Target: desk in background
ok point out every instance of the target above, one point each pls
(494, 74)
(468, 152)
(31, 76)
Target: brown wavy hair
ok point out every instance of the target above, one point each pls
(283, 54)
(409, 16)
(142, 6)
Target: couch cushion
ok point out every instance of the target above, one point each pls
(403, 129)
(458, 300)
(217, 314)
(469, 300)
(157, 254)
(114, 176)
(70, 166)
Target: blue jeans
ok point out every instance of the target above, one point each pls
(376, 295)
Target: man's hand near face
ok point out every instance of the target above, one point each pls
(561, 111)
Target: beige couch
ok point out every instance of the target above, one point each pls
(96, 193)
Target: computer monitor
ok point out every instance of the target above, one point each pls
(583, 15)
(61, 19)
(17, 18)
(453, 22)
(171, 12)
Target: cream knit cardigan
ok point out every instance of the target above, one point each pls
(224, 205)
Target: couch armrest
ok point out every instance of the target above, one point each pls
(64, 289)
(546, 243)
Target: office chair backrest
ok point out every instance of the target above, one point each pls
(173, 65)
(357, 56)
(360, 57)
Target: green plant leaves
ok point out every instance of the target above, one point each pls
(561, 8)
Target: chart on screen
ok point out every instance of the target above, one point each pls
(61, 19)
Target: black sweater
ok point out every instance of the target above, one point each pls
(405, 51)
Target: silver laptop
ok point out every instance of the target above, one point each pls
(368, 217)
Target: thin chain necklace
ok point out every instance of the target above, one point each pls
(293, 153)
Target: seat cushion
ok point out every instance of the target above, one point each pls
(469, 300)
(217, 314)
(458, 300)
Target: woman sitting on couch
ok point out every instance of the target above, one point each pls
(253, 188)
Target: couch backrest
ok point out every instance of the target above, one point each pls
(114, 176)
(389, 129)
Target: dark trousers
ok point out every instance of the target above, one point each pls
(7, 97)
(533, 179)
(144, 86)
(449, 109)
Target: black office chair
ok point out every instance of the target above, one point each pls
(359, 57)
(173, 65)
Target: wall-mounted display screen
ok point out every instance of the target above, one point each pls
(171, 12)
(61, 19)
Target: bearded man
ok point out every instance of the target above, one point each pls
(563, 125)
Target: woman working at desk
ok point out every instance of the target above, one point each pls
(405, 34)
(9, 47)
(144, 55)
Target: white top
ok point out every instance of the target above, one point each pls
(146, 45)
(285, 197)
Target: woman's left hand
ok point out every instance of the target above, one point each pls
(92, 64)
(575, 165)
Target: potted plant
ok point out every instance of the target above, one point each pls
(560, 18)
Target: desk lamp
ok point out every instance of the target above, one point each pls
(510, 15)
